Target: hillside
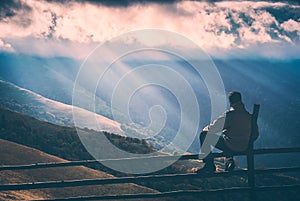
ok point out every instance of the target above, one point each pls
(27, 102)
(32, 104)
(13, 154)
(57, 140)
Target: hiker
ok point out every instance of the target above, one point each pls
(235, 125)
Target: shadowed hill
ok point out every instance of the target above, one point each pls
(60, 141)
(14, 154)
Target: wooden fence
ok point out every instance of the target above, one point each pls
(134, 179)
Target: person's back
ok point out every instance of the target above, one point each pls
(238, 128)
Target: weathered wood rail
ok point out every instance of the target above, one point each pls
(134, 179)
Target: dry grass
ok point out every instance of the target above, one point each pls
(13, 154)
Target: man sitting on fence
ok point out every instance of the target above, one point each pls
(235, 126)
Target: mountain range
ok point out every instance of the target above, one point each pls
(272, 83)
(27, 102)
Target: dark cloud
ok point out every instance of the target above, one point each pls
(130, 2)
(293, 2)
(8, 8)
(116, 3)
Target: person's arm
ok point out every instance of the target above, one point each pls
(217, 125)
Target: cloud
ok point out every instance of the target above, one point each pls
(221, 26)
(6, 47)
(49, 47)
(9, 8)
(291, 26)
(117, 3)
(125, 3)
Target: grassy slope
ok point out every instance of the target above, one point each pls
(57, 140)
(12, 153)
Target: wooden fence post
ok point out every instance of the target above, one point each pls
(250, 153)
(250, 163)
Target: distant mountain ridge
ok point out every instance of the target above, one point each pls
(27, 102)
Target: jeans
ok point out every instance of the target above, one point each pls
(221, 144)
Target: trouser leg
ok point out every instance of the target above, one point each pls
(205, 148)
(208, 161)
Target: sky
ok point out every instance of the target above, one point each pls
(52, 28)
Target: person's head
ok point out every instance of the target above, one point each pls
(234, 97)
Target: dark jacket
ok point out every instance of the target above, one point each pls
(236, 127)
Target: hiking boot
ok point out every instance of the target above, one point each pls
(206, 169)
(230, 164)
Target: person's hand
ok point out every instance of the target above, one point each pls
(205, 129)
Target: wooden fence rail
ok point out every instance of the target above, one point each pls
(183, 157)
(181, 193)
(252, 188)
(120, 180)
